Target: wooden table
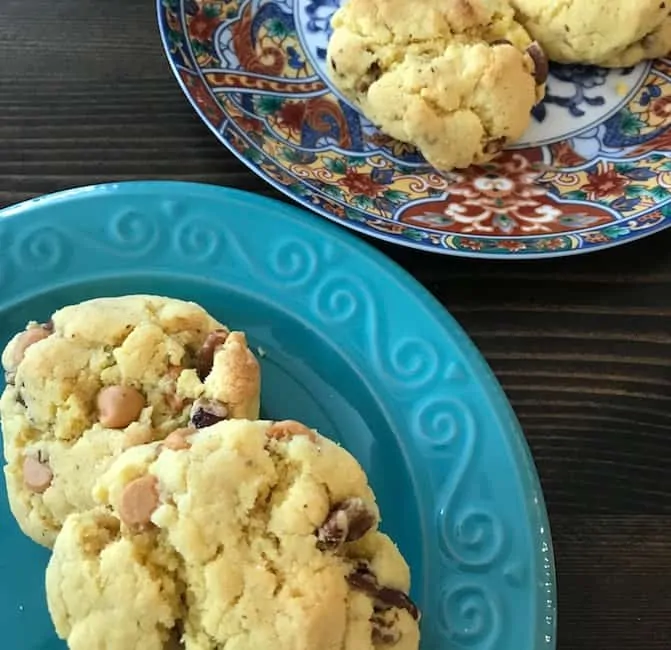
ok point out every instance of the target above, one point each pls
(581, 345)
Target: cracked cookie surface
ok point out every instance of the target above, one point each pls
(611, 33)
(455, 78)
(135, 610)
(249, 535)
(104, 375)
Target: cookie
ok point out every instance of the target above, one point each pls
(245, 535)
(610, 33)
(456, 78)
(105, 375)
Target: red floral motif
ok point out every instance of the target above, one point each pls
(202, 26)
(336, 210)
(503, 197)
(595, 237)
(268, 60)
(248, 125)
(661, 142)
(563, 155)
(202, 97)
(512, 245)
(662, 107)
(554, 244)
(291, 116)
(602, 184)
(653, 217)
(385, 226)
(471, 244)
(321, 115)
(358, 183)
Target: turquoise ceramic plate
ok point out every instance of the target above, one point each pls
(350, 344)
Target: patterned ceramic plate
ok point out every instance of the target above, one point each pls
(348, 343)
(592, 171)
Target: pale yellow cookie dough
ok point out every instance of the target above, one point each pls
(136, 609)
(104, 375)
(610, 33)
(456, 78)
(244, 535)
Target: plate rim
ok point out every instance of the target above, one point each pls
(547, 616)
(406, 242)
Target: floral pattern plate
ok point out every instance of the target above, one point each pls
(592, 171)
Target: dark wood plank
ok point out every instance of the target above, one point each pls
(613, 581)
(581, 345)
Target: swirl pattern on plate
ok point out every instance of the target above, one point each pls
(452, 423)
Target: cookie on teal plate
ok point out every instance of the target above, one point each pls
(350, 345)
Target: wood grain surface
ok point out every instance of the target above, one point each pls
(582, 345)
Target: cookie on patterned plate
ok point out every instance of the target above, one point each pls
(104, 375)
(456, 78)
(245, 535)
(610, 33)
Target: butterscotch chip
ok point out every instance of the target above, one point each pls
(37, 475)
(138, 502)
(16, 349)
(118, 406)
(289, 429)
(177, 440)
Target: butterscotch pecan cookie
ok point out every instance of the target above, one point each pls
(456, 78)
(104, 375)
(252, 535)
(610, 33)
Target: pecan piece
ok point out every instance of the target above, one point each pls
(541, 63)
(205, 413)
(363, 579)
(205, 356)
(286, 429)
(347, 521)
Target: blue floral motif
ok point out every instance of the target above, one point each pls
(650, 92)
(583, 78)
(271, 12)
(320, 13)
(191, 7)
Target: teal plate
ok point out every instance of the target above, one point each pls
(350, 344)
